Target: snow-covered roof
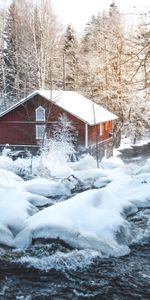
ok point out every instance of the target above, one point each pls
(74, 103)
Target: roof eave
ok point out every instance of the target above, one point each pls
(38, 92)
(103, 121)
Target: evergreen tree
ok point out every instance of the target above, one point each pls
(11, 52)
(3, 95)
(70, 59)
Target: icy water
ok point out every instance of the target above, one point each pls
(126, 277)
(53, 270)
(136, 153)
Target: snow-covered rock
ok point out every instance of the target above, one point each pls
(84, 221)
(48, 187)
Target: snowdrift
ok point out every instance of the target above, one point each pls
(84, 221)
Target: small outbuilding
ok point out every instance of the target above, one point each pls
(26, 122)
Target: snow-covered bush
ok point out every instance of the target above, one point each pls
(58, 150)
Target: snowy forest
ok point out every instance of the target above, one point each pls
(109, 62)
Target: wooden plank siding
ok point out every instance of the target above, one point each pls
(17, 127)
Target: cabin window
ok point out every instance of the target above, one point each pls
(100, 129)
(40, 114)
(40, 131)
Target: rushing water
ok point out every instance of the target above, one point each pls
(53, 270)
(126, 277)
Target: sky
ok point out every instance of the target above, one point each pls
(79, 12)
(4, 3)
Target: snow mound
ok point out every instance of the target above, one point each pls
(48, 187)
(13, 217)
(111, 163)
(85, 163)
(84, 221)
(8, 178)
(6, 236)
(15, 206)
(6, 163)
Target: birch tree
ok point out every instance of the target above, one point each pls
(103, 70)
(20, 67)
(138, 68)
(46, 36)
(32, 36)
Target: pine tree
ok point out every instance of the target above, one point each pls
(3, 98)
(70, 59)
(11, 52)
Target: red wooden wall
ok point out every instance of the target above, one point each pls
(94, 132)
(18, 127)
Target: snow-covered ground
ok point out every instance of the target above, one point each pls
(94, 219)
(127, 142)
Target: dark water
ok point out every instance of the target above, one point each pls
(52, 270)
(136, 153)
(126, 277)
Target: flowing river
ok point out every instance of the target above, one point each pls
(53, 270)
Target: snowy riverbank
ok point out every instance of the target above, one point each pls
(95, 219)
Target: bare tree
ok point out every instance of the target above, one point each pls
(46, 33)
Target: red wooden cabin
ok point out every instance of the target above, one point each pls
(24, 123)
